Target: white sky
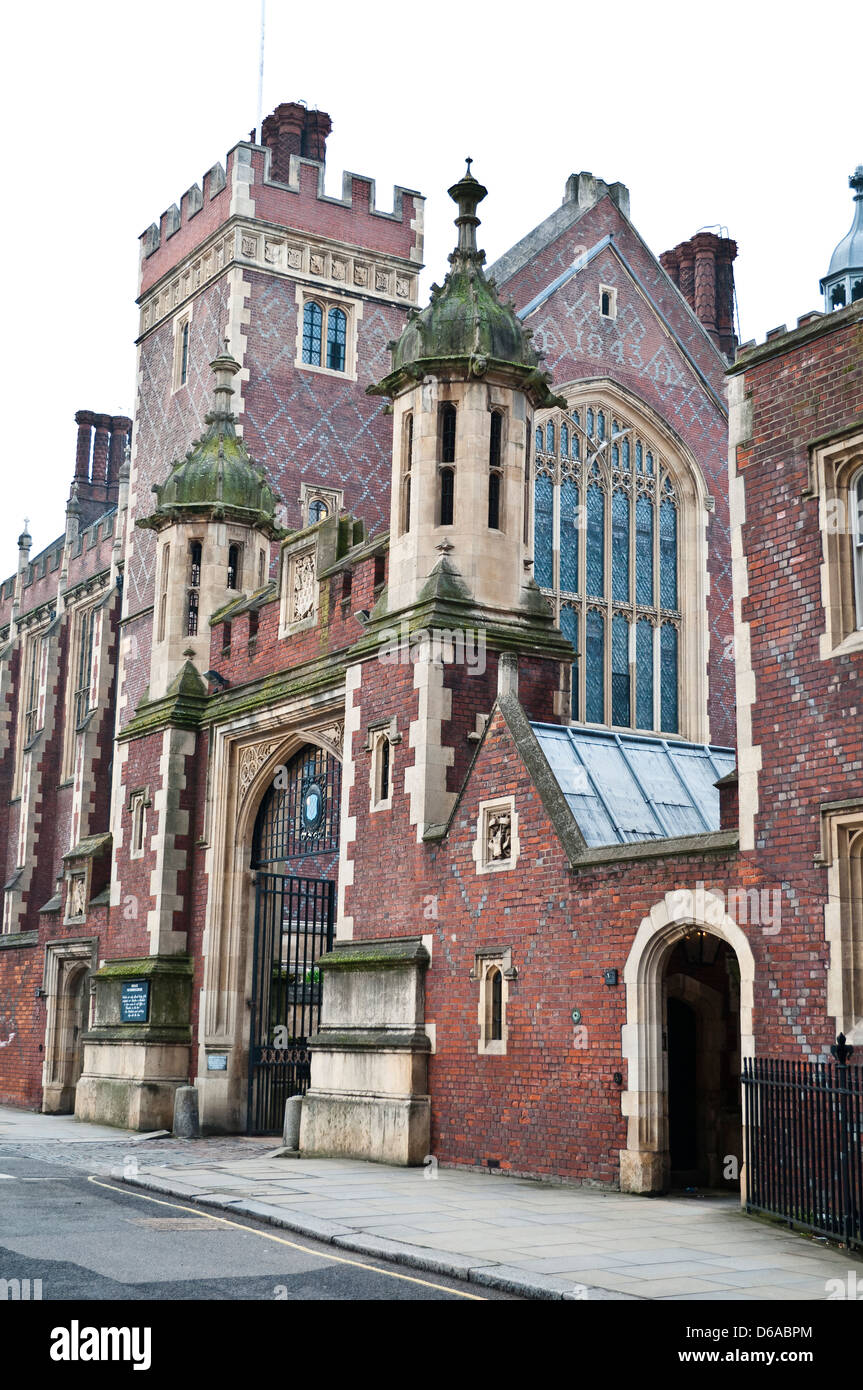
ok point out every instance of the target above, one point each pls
(727, 113)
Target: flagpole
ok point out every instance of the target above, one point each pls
(261, 68)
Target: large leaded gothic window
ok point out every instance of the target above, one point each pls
(606, 552)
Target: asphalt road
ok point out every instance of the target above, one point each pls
(87, 1237)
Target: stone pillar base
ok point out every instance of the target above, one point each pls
(133, 1065)
(131, 1084)
(369, 1092)
(57, 1099)
(380, 1128)
(644, 1172)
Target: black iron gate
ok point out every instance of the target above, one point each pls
(804, 1142)
(293, 928)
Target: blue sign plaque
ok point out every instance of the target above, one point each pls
(135, 1001)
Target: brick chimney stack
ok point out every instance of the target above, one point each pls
(701, 268)
(84, 421)
(121, 426)
(292, 129)
(100, 448)
(97, 462)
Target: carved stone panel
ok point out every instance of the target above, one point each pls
(302, 596)
(252, 758)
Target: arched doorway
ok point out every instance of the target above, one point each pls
(702, 1047)
(690, 951)
(295, 846)
(68, 1019)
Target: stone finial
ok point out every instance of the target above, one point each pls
(468, 193)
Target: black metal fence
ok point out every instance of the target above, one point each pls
(804, 1143)
(293, 928)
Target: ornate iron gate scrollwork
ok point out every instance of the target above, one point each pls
(296, 831)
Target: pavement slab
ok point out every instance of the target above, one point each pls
(535, 1239)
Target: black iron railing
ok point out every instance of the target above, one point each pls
(803, 1123)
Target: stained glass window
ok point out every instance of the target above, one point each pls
(644, 552)
(594, 711)
(667, 554)
(644, 674)
(668, 665)
(620, 547)
(595, 541)
(337, 336)
(569, 536)
(569, 628)
(539, 448)
(619, 670)
(543, 503)
(620, 585)
(313, 319)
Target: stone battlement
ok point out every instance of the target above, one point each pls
(284, 186)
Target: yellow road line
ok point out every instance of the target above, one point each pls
(281, 1240)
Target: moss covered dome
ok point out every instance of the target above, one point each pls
(465, 326)
(217, 478)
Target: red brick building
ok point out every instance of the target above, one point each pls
(415, 728)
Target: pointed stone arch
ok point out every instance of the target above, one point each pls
(244, 761)
(644, 1163)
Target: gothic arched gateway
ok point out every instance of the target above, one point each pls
(295, 849)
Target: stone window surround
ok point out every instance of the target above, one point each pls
(334, 497)
(484, 811)
(376, 733)
(611, 291)
(486, 959)
(842, 856)
(328, 299)
(31, 651)
(695, 504)
(139, 801)
(180, 320)
(833, 467)
(70, 730)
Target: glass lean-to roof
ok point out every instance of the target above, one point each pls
(628, 787)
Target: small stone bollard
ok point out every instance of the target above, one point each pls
(186, 1122)
(291, 1132)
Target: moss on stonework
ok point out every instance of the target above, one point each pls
(145, 966)
(181, 707)
(389, 954)
(465, 329)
